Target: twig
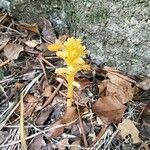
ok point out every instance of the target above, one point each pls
(49, 100)
(112, 137)
(4, 63)
(42, 65)
(82, 128)
(3, 17)
(4, 92)
(27, 88)
(63, 94)
(2, 26)
(16, 103)
(36, 134)
(99, 136)
(144, 145)
(100, 142)
(4, 44)
(46, 61)
(78, 146)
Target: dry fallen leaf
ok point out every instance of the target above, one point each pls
(44, 114)
(47, 30)
(115, 72)
(56, 129)
(109, 109)
(37, 143)
(119, 79)
(30, 102)
(47, 91)
(123, 93)
(30, 27)
(111, 69)
(62, 144)
(12, 50)
(75, 145)
(19, 85)
(127, 127)
(145, 85)
(118, 87)
(32, 43)
(82, 84)
(70, 115)
(145, 115)
(102, 87)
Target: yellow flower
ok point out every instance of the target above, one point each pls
(55, 47)
(72, 52)
(74, 49)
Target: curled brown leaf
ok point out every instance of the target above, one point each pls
(109, 109)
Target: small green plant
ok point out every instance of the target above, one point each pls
(72, 52)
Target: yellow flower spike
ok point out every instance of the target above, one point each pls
(61, 54)
(72, 52)
(62, 71)
(55, 47)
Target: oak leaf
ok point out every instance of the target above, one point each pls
(12, 50)
(109, 109)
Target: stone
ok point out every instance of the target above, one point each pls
(116, 32)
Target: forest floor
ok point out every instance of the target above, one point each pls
(111, 109)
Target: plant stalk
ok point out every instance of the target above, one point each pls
(70, 90)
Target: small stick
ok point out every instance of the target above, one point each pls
(4, 63)
(38, 133)
(112, 137)
(82, 129)
(99, 136)
(42, 65)
(2, 18)
(46, 61)
(49, 100)
(60, 92)
(8, 28)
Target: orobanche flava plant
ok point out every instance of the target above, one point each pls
(72, 52)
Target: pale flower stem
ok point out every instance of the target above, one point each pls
(70, 91)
